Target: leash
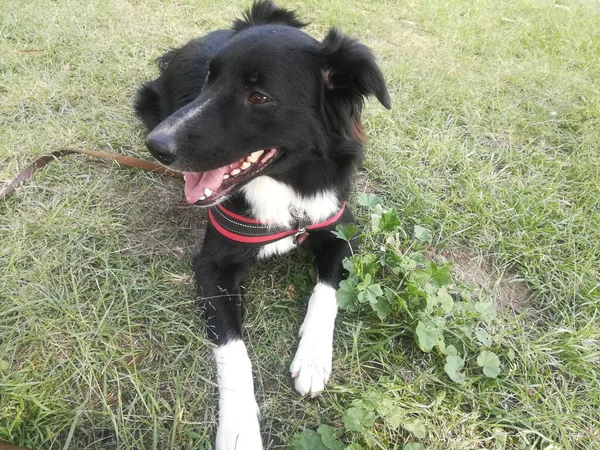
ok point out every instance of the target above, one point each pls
(232, 226)
(5, 446)
(245, 231)
(122, 160)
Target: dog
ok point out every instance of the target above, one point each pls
(264, 122)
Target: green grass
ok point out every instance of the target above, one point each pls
(492, 143)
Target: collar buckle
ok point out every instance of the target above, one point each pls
(300, 236)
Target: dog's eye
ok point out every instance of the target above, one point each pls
(258, 99)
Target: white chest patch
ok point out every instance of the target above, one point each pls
(277, 204)
(281, 247)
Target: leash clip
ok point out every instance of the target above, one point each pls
(300, 236)
(302, 223)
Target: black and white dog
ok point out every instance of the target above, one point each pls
(264, 122)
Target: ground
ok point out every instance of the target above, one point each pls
(492, 144)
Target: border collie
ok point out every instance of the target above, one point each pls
(264, 123)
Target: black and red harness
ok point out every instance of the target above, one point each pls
(245, 231)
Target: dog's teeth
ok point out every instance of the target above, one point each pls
(254, 156)
(226, 176)
(207, 192)
(245, 165)
(234, 172)
(202, 198)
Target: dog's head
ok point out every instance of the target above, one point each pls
(274, 98)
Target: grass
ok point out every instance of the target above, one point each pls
(492, 143)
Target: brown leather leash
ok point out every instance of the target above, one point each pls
(122, 160)
(5, 446)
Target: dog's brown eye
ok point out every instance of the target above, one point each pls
(258, 99)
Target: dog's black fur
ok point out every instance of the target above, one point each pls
(319, 87)
(316, 92)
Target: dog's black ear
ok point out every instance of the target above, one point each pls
(164, 60)
(263, 12)
(351, 68)
(148, 104)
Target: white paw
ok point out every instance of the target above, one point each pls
(238, 412)
(312, 365)
(238, 427)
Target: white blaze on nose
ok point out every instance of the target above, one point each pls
(172, 123)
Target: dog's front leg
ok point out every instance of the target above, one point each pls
(218, 288)
(311, 366)
(238, 412)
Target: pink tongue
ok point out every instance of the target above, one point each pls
(197, 182)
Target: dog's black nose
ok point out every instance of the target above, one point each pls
(162, 147)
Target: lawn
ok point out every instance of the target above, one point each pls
(492, 145)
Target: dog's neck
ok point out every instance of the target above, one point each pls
(273, 202)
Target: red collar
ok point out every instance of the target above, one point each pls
(246, 231)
